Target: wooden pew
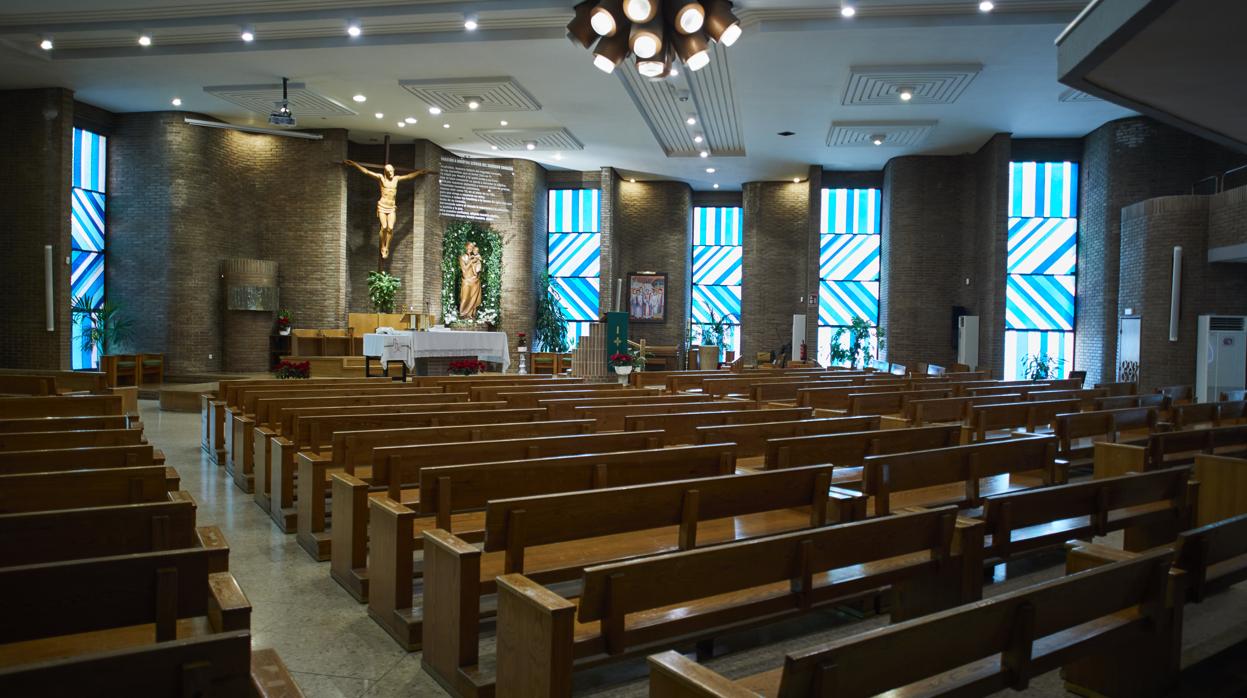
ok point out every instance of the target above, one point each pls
(53, 535)
(1223, 487)
(60, 459)
(890, 402)
(1078, 432)
(72, 489)
(60, 406)
(1177, 394)
(1118, 402)
(35, 440)
(1029, 415)
(645, 379)
(1086, 396)
(394, 529)
(486, 393)
(742, 384)
(682, 427)
(39, 424)
(1121, 388)
(66, 381)
(950, 409)
(534, 398)
(849, 450)
(553, 538)
(838, 398)
(765, 580)
(27, 385)
(1166, 448)
(566, 408)
(1208, 414)
(786, 391)
(1104, 622)
(282, 489)
(612, 417)
(955, 475)
(751, 439)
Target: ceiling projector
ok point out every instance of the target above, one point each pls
(282, 116)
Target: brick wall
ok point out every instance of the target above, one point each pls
(776, 255)
(1227, 218)
(36, 130)
(651, 232)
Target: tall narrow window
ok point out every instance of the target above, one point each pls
(87, 237)
(717, 262)
(848, 266)
(573, 257)
(1043, 259)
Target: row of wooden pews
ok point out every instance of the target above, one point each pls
(111, 585)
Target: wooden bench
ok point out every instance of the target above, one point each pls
(613, 417)
(742, 385)
(956, 475)
(66, 380)
(60, 406)
(1118, 402)
(1078, 432)
(1120, 388)
(27, 385)
(553, 538)
(838, 398)
(637, 605)
(786, 391)
(1223, 487)
(1208, 414)
(1101, 623)
(42, 424)
(890, 402)
(35, 440)
(950, 409)
(1166, 448)
(394, 530)
(645, 379)
(72, 489)
(486, 393)
(682, 427)
(534, 398)
(1177, 394)
(559, 408)
(61, 459)
(848, 450)
(1086, 397)
(751, 439)
(1029, 415)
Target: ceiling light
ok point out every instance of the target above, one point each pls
(674, 72)
(401, 124)
(558, 156)
(470, 23)
(691, 120)
(46, 44)
(247, 35)
(530, 145)
(632, 179)
(721, 24)
(607, 17)
(987, 6)
(796, 180)
(145, 40)
(435, 110)
(410, 119)
(651, 67)
(360, 98)
(502, 123)
(176, 101)
(906, 94)
(353, 30)
(610, 52)
(877, 139)
(640, 11)
(716, 186)
(687, 15)
(493, 147)
(710, 170)
(445, 125)
(698, 138)
(474, 104)
(704, 153)
(847, 11)
(646, 39)
(580, 29)
(693, 50)
(379, 115)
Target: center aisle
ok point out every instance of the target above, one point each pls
(331, 646)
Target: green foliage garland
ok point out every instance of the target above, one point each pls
(489, 243)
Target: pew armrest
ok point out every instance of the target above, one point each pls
(845, 505)
(534, 637)
(211, 538)
(270, 678)
(228, 607)
(672, 675)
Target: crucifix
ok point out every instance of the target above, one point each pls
(389, 180)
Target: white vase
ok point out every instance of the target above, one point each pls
(623, 370)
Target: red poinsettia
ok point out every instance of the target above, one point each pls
(465, 367)
(294, 369)
(621, 360)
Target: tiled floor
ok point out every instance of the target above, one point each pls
(335, 650)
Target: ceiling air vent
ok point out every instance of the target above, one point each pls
(1226, 323)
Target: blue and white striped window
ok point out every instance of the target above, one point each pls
(87, 236)
(1042, 265)
(718, 258)
(574, 253)
(848, 264)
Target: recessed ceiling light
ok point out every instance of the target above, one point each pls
(632, 179)
(360, 98)
(470, 23)
(493, 147)
(877, 139)
(906, 94)
(435, 110)
(379, 115)
(410, 119)
(674, 71)
(698, 138)
(176, 101)
(847, 10)
(247, 35)
(145, 40)
(445, 125)
(987, 6)
(401, 124)
(796, 180)
(691, 120)
(353, 30)
(710, 170)
(46, 44)
(558, 156)
(530, 145)
(716, 186)
(474, 105)
(704, 153)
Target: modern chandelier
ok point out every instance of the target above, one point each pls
(655, 32)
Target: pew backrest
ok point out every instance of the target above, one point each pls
(751, 439)
(42, 424)
(352, 449)
(269, 411)
(681, 427)
(1014, 415)
(1182, 444)
(1119, 388)
(71, 489)
(33, 440)
(533, 399)
(565, 408)
(1116, 402)
(60, 406)
(850, 449)
(1106, 423)
(890, 402)
(612, 417)
(1211, 548)
(56, 459)
(69, 534)
(486, 393)
(950, 409)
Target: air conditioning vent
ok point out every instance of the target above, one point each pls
(1226, 323)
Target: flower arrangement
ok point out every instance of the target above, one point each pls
(465, 367)
(283, 321)
(521, 340)
(294, 369)
(618, 360)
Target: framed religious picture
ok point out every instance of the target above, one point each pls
(647, 296)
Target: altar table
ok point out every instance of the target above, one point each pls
(410, 346)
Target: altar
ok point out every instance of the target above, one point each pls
(410, 346)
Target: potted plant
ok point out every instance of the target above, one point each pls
(855, 352)
(294, 369)
(622, 363)
(465, 367)
(1040, 367)
(283, 322)
(103, 326)
(712, 336)
(550, 330)
(382, 288)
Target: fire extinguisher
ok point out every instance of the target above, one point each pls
(803, 351)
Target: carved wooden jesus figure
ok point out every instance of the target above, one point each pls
(385, 205)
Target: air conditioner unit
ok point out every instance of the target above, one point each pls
(1221, 356)
(968, 341)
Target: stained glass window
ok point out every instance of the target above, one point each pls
(574, 253)
(848, 265)
(718, 258)
(88, 236)
(1042, 265)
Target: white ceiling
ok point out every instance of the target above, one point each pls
(789, 72)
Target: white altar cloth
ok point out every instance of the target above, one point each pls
(409, 346)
